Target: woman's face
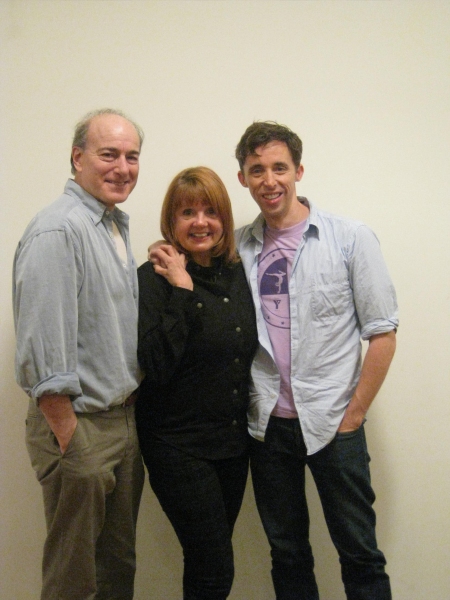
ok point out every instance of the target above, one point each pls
(198, 228)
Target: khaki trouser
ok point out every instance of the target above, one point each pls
(91, 500)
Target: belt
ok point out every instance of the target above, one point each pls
(131, 399)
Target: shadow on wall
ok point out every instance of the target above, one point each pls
(22, 524)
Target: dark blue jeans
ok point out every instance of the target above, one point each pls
(341, 474)
(202, 499)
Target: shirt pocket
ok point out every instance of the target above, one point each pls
(331, 295)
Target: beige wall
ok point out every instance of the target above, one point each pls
(366, 85)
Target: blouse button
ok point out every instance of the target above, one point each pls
(234, 422)
(236, 360)
(235, 392)
(238, 329)
(226, 299)
(199, 305)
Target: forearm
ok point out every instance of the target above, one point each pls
(374, 370)
(60, 416)
(166, 317)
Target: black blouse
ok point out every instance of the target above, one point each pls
(195, 348)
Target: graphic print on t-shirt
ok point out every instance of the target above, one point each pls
(273, 288)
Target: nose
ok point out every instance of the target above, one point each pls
(200, 218)
(269, 178)
(121, 165)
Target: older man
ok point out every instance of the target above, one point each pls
(75, 306)
(320, 285)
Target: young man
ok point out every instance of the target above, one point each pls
(75, 307)
(320, 285)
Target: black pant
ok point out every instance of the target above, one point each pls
(202, 499)
(342, 476)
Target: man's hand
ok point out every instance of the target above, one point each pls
(153, 247)
(171, 264)
(353, 416)
(60, 416)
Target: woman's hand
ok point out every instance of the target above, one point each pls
(171, 264)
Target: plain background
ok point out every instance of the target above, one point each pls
(366, 86)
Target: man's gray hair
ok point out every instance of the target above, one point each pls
(82, 128)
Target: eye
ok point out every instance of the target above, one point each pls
(133, 159)
(187, 212)
(107, 156)
(210, 211)
(256, 171)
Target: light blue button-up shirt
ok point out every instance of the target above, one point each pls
(75, 304)
(339, 293)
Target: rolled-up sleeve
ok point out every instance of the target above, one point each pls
(47, 277)
(373, 291)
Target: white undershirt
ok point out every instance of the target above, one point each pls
(120, 244)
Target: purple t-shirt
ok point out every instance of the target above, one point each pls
(274, 270)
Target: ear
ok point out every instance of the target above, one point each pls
(299, 173)
(77, 153)
(242, 179)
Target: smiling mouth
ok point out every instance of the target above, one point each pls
(199, 236)
(117, 183)
(271, 196)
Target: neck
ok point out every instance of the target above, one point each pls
(298, 212)
(204, 260)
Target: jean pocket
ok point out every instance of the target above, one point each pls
(342, 435)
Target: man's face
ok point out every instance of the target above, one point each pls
(270, 175)
(108, 167)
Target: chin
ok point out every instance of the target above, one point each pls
(116, 200)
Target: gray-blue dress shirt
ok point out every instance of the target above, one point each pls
(75, 304)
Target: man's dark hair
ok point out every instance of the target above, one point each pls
(261, 133)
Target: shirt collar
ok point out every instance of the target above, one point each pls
(97, 210)
(312, 226)
(312, 222)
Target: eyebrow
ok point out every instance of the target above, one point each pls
(114, 149)
(255, 166)
(260, 166)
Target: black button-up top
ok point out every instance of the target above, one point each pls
(196, 348)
